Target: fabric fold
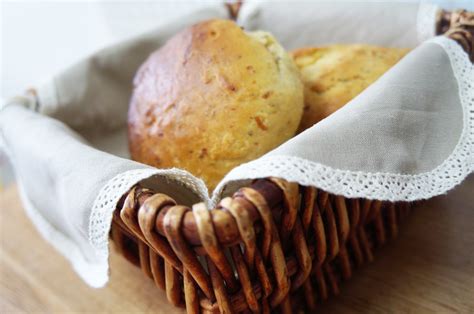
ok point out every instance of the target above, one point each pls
(56, 187)
(407, 137)
(71, 189)
(319, 23)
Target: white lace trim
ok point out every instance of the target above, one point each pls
(425, 21)
(381, 186)
(105, 203)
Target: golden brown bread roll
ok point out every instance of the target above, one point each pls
(335, 74)
(212, 98)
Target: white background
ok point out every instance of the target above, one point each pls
(39, 38)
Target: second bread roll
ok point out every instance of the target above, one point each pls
(212, 98)
(335, 74)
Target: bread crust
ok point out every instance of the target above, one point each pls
(335, 74)
(212, 98)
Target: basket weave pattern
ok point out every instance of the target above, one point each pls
(255, 251)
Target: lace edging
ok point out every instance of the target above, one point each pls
(100, 219)
(381, 186)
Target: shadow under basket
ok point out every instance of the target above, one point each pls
(272, 246)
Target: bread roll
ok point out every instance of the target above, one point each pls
(335, 74)
(211, 98)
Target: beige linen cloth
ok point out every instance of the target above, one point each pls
(409, 136)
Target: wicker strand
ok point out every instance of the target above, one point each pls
(244, 224)
(211, 245)
(172, 223)
(291, 199)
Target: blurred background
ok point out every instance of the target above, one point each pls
(39, 38)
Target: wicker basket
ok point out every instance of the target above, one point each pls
(273, 245)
